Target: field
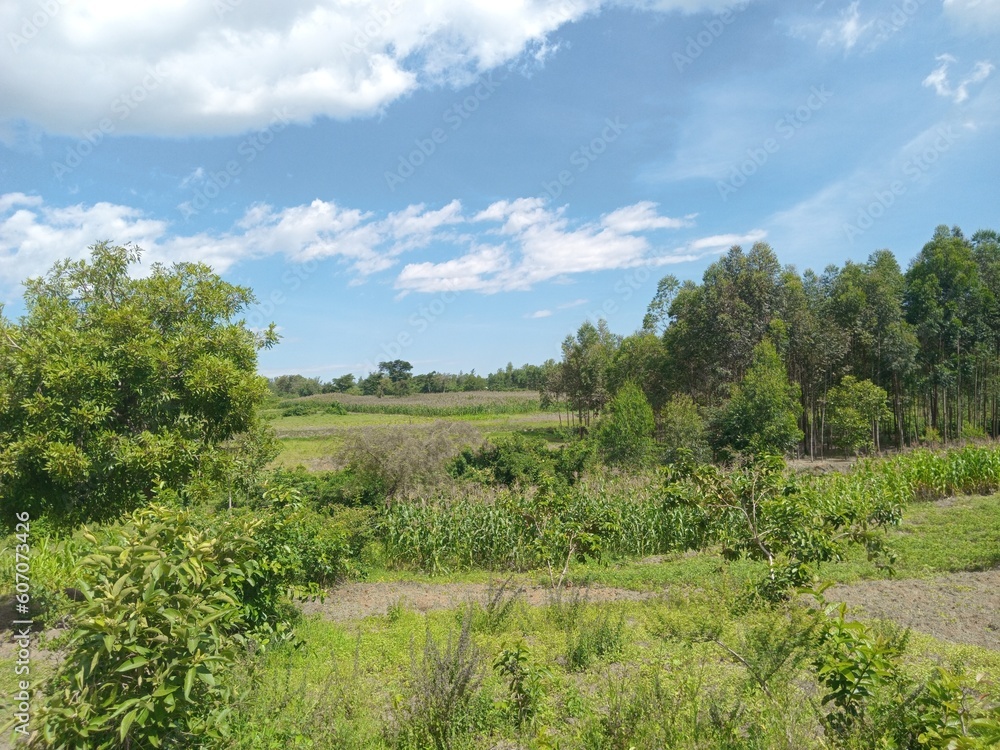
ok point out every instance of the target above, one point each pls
(313, 440)
(617, 649)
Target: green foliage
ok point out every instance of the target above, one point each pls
(111, 386)
(323, 489)
(873, 703)
(625, 430)
(309, 550)
(599, 637)
(306, 408)
(683, 430)
(854, 410)
(164, 616)
(762, 414)
(525, 683)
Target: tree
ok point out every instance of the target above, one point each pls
(584, 369)
(854, 410)
(683, 429)
(762, 414)
(113, 388)
(625, 431)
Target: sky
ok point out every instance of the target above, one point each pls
(462, 183)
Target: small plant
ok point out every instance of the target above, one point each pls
(601, 637)
(441, 690)
(500, 603)
(525, 682)
(396, 610)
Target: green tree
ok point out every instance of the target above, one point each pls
(684, 429)
(854, 410)
(113, 387)
(625, 431)
(762, 414)
(398, 371)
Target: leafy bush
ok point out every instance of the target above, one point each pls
(625, 430)
(521, 461)
(683, 429)
(874, 704)
(306, 408)
(322, 489)
(163, 618)
(309, 550)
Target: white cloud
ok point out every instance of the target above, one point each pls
(538, 244)
(539, 314)
(938, 78)
(509, 245)
(196, 67)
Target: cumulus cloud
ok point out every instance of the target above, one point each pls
(939, 79)
(223, 67)
(509, 245)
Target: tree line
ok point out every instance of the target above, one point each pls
(869, 355)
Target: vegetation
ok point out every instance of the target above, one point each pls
(111, 387)
(180, 601)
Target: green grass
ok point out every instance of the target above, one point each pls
(954, 535)
(314, 440)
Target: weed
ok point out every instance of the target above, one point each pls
(441, 689)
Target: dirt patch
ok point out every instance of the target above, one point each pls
(958, 607)
(354, 601)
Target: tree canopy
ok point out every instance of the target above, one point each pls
(115, 387)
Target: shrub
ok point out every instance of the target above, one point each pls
(405, 459)
(625, 431)
(309, 550)
(683, 429)
(161, 623)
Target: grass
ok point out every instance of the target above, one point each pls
(314, 440)
(948, 536)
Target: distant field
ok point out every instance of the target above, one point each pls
(425, 404)
(313, 439)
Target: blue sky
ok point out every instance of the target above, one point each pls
(460, 183)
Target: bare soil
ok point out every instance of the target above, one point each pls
(957, 607)
(354, 601)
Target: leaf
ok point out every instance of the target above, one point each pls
(133, 663)
(189, 682)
